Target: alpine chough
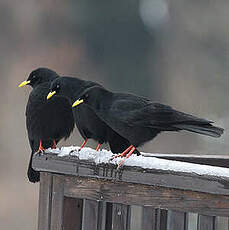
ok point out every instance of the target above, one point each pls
(88, 123)
(138, 119)
(47, 122)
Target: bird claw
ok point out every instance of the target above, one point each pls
(116, 156)
(39, 152)
(111, 159)
(74, 150)
(78, 150)
(120, 164)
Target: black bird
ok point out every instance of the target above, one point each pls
(47, 122)
(138, 119)
(88, 123)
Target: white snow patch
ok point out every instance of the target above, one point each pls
(104, 156)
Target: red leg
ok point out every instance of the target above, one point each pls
(41, 148)
(84, 143)
(123, 153)
(98, 147)
(127, 156)
(54, 144)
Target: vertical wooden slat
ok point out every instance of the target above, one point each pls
(154, 219)
(92, 215)
(206, 222)
(222, 223)
(192, 220)
(136, 217)
(109, 211)
(57, 203)
(102, 216)
(162, 216)
(177, 220)
(45, 200)
(72, 213)
(149, 218)
(121, 217)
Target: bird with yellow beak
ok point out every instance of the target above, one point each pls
(90, 126)
(47, 121)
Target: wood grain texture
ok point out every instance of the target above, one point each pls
(57, 203)
(177, 221)
(163, 215)
(109, 213)
(149, 219)
(121, 217)
(92, 215)
(163, 178)
(206, 222)
(154, 219)
(72, 213)
(45, 200)
(138, 194)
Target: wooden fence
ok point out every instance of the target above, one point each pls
(78, 194)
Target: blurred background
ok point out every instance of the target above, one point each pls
(175, 52)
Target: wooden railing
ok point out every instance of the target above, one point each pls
(78, 194)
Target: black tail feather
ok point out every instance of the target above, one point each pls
(33, 176)
(205, 129)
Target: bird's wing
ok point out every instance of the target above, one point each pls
(142, 112)
(128, 102)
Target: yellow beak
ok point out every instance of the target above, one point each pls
(77, 102)
(24, 83)
(51, 94)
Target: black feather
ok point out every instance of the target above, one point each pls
(139, 120)
(88, 123)
(45, 120)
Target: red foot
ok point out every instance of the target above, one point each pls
(98, 147)
(123, 153)
(41, 148)
(84, 143)
(54, 144)
(127, 156)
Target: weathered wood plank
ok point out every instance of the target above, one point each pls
(154, 219)
(92, 215)
(45, 199)
(169, 179)
(120, 217)
(206, 222)
(150, 218)
(109, 213)
(136, 217)
(177, 221)
(192, 220)
(57, 203)
(138, 194)
(221, 223)
(72, 213)
(163, 218)
(102, 215)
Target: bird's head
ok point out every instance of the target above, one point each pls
(61, 87)
(92, 96)
(68, 87)
(39, 76)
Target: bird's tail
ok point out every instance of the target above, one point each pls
(205, 129)
(33, 176)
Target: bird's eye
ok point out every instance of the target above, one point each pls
(86, 95)
(34, 76)
(57, 86)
